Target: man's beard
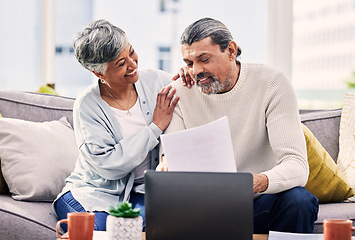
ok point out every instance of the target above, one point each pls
(213, 86)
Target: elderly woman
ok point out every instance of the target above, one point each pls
(117, 123)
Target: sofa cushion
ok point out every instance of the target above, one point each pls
(325, 181)
(26, 220)
(346, 160)
(343, 210)
(36, 157)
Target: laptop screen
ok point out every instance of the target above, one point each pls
(198, 205)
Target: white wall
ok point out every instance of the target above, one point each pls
(147, 28)
(280, 36)
(19, 48)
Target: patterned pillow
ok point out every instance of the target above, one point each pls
(346, 157)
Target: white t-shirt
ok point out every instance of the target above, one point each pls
(131, 124)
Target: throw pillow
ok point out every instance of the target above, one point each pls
(3, 186)
(36, 157)
(346, 157)
(325, 180)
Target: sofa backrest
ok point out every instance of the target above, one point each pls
(36, 107)
(39, 107)
(324, 124)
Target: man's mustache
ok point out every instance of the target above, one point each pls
(202, 75)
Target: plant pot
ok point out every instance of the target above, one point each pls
(124, 228)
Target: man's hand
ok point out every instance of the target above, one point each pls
(185, 77)
(163, 165)
(260, 183)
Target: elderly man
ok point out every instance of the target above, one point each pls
(266, 132)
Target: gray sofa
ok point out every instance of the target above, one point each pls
(35, 220)
(24, 219)
(324, 124)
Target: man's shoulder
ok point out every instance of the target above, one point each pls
(263, 73)
(177, 84)
(260, 67)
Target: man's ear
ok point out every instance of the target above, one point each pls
(232, 49)
(98, 74)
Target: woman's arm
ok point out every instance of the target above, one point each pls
(103, 147)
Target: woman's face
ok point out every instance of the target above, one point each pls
(124, 69)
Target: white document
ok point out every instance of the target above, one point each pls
(207, 148)
(274, 235)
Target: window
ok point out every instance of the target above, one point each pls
(164, 59)
(323, 56)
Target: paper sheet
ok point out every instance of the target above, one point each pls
(207, 148)
(275, 235)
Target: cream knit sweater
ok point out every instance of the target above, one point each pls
(265, 127)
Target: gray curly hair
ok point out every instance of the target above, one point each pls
(97, 44)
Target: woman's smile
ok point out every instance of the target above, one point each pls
(132, 74)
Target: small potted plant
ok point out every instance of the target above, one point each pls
(124, 222)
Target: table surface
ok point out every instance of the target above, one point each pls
(103, 236)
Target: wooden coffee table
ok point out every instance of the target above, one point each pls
(260, 236)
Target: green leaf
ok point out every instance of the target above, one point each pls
(124, 209)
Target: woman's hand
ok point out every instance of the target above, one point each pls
(164, 109)
(185, 77)
(163, 165)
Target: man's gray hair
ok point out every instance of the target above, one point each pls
(98, 43)
(208, 27)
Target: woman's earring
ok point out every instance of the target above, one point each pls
(102, 81)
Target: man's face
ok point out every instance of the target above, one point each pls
(208, 66)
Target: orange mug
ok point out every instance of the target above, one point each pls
(338, 229)
(80, 226)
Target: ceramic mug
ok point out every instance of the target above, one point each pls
(337, 229)
(80, 226)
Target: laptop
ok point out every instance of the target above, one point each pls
(198, 205)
